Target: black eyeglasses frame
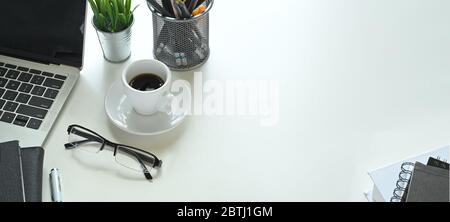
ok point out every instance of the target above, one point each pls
(135, 152)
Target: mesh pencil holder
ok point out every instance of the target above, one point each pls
(181, 44)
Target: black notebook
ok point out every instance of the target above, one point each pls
(428, 184)
(32, 163)
(20, 173)
(11, 182)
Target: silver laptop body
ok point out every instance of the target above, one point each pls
(32, 137)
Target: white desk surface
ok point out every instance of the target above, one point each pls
(362, 84)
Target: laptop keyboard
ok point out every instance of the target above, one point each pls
(27, 94)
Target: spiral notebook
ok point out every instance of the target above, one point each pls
(386, 179)
(423, 183)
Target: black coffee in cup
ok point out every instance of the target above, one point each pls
(146, 82)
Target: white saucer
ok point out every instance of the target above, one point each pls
(122, 115)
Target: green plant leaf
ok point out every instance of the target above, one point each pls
(132, 11)
(101, 6)
(109, 15)
(127, 6)
(112, 15)
(94, 7)
(122, 22)
(101, 23)
(121, 6)
(98, 3)
(116, 15)
(115, 7)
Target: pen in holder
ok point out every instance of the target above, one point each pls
(182, 44)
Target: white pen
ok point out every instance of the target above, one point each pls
(55, 185)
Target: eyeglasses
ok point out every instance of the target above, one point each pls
(130, 157)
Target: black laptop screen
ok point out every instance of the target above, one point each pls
(49, 31)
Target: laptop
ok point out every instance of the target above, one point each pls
(41, 55)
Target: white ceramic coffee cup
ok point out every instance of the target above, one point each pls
(147, 102)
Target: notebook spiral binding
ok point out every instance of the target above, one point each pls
(403, 180)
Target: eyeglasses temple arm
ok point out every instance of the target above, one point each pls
(72, 145)
(147, 174)
(93, 138)
(154, 160)
(89, 138)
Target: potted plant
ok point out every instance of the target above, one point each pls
(113, 20)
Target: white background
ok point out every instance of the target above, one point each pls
(362, 84)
